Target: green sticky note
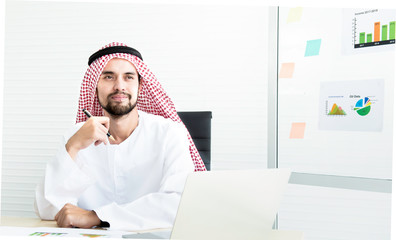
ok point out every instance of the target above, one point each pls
(313, 47)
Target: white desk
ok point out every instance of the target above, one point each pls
(36, 222)
(26, 222)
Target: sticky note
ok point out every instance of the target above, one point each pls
(294, 15)
(287, 70)
(297, 131)
(313, 47)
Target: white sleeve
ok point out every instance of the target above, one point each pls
(65, 180)
(156, 210)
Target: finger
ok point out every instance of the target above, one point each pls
(64, 220)
(56, 216)
(102, 128)
(105, 121)
(105, 139)
(59, 220)
(63, 214)
(95, 124)
(60, 212)
(101, 139)
(98, 142)
(101, 133)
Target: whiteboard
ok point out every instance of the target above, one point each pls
(335, 99)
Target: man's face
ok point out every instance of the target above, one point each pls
(118, 87)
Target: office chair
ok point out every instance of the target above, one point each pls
(199, 126)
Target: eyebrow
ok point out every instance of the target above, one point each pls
(110, 72)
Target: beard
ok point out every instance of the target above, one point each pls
(117, 110)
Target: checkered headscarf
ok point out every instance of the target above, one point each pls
(152, 97)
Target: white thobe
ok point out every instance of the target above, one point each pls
(134, 185)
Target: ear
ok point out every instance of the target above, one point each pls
(140, 86)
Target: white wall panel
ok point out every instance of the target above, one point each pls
(210, 58)
(335, 214)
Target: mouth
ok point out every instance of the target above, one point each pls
(119, 97)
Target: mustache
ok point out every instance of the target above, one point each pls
(120, 93)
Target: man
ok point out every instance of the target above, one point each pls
(134, 180)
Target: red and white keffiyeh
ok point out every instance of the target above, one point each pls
(152, 97)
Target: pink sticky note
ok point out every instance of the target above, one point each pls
(287, 70)
(297, 131)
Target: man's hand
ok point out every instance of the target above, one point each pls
(94, 130)
(73, 216)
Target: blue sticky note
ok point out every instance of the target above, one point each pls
(313, 47)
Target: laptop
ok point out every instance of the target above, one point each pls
(230, 204)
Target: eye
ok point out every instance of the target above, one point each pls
(108, 77)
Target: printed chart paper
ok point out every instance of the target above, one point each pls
(352, 105)
(43, 232)
(368, 30)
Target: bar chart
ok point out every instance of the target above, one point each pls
(372, 29)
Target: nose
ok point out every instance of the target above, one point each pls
(119, 84)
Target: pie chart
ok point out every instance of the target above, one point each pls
(363, 106)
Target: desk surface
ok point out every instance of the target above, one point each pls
(25, 222)
(37, 222)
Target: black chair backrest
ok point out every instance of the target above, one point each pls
(199, 126)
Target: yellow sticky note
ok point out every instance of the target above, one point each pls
(297, 131)
(287, 70)
(294, 15)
